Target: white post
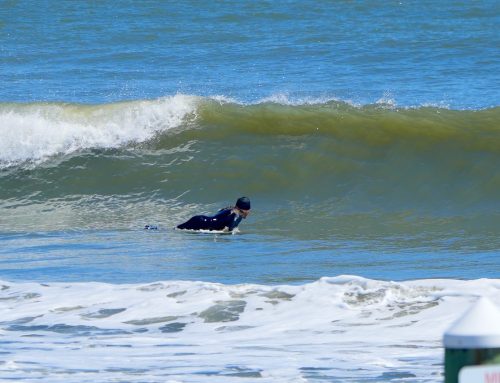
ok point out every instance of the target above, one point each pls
(474, 340)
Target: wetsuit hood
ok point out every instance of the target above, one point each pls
(243, 203)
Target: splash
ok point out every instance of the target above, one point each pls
(34, 132)
(344, 328)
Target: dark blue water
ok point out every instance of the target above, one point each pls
(411, 53)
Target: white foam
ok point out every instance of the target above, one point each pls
(285, 99)
(37, 131)
(344, 328)
(221, 99)
(387, 101)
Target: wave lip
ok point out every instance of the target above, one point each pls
(34, 132)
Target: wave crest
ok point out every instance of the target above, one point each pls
(34, 132)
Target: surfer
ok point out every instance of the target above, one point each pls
(226, 219)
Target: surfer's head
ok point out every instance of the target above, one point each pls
(243, 206)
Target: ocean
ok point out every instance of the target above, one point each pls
(366, 134)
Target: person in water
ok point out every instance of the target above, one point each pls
(225, 220)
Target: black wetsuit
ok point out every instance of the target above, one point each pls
(224, 218)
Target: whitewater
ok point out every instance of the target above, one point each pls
(34, 132)
(343, 328)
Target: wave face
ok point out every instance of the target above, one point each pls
(318, 160)
(202, 332)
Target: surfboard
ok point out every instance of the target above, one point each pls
(208, 231)
(156, 228)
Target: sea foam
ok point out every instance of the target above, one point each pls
(345, 328)
(34, 132)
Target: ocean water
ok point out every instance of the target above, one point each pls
(367, 136)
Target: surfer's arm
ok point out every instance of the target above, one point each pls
(226, 219)
(234, 220)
